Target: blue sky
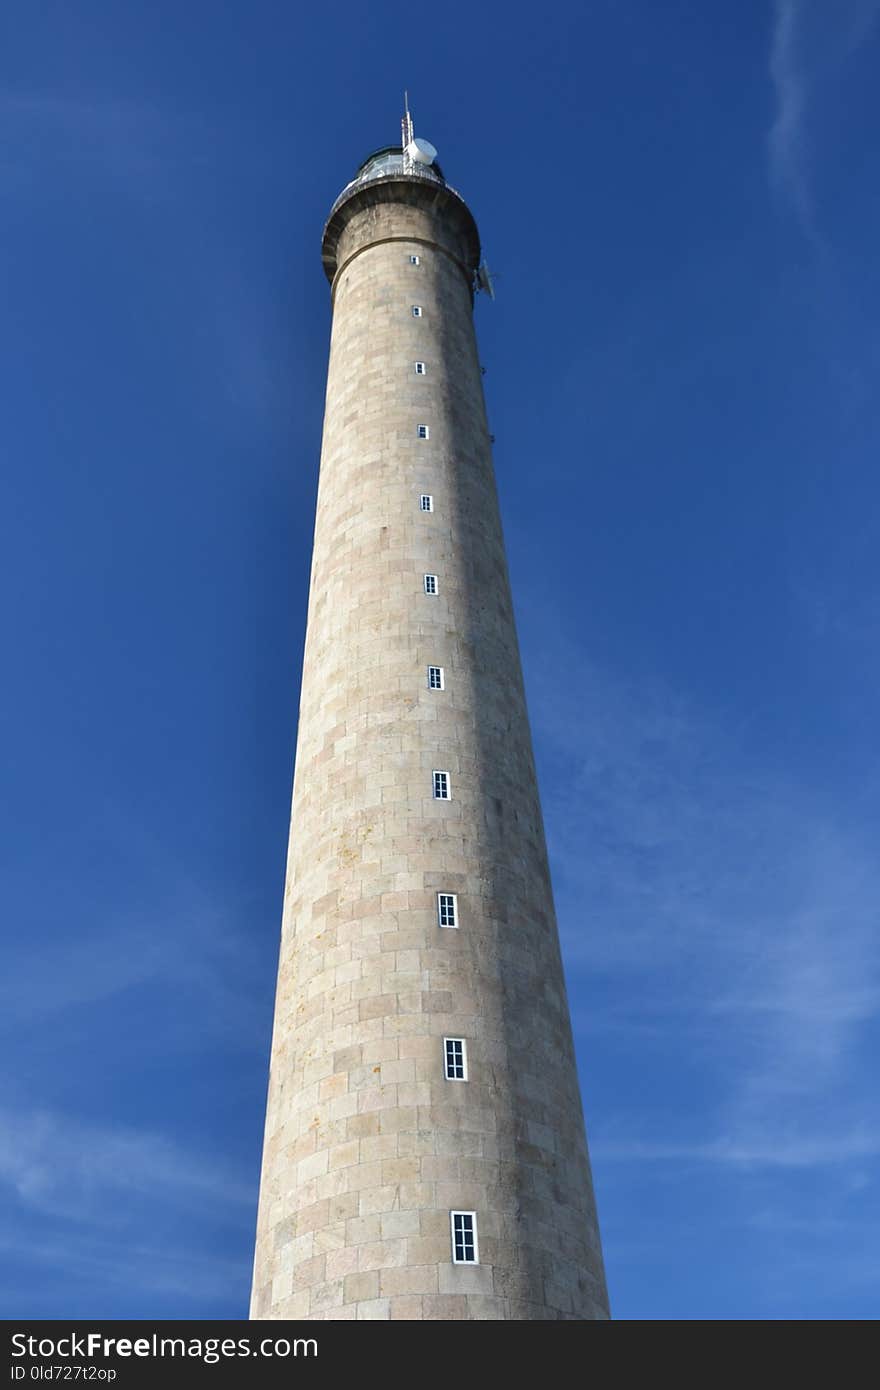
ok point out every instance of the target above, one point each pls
(682, 208)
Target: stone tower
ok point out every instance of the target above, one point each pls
(424, 1152)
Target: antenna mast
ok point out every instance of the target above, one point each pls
(406, 133)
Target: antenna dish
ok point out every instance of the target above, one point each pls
(421, 151)
(485, 279)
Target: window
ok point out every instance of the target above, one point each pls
(422, 431)
(464, 1237)
(447, 909)
(420, 368)
(435, 677)
(441, 786)
(426, 502)
(414, 260)
(455, 1059)
(430, 583)
(417, 311)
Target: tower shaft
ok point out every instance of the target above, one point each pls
(371, 1144)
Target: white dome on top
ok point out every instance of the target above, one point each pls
(421, 151)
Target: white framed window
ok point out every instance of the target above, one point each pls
(414, 260)
(435, 678)
(440, 782)
(426, 502)
(464, 1237)
(430, 583)
(421, 369)
(447, 909)
(417, 311)
(423, 431)
(455, 1059)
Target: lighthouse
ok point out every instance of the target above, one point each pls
(424, 1153)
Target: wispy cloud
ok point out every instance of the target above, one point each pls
(140, 1268)
(807, 43)
(177, 953)
(731, 913)
(719, 927)
(786, 137)
(794, 1152)
(174, 935)
(88, 1173)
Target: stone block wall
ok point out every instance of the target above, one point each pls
(368, 1148)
